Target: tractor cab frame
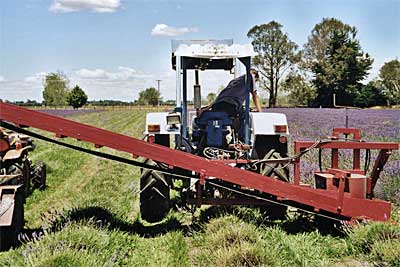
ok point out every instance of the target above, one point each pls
(208, 55)
(200, 55)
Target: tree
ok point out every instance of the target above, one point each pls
(55, 89)
(150, 96)
(77, 97)
(211, 98)
(370, 95)
(334, 56)
(390, 75)
(301, 92)
(276, 53)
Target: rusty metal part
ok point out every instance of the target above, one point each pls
(4, 146)
(7, 201)
(14, 154)
(8, 177)
(11, 215)
(239, 147)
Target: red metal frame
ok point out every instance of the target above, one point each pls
(318, 199)
(356, 144)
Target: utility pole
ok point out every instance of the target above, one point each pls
(158, 99)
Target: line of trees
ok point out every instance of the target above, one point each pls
(332, 62)
(58, 93)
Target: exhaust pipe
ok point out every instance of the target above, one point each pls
(197, 91)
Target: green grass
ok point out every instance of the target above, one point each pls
(88, 216)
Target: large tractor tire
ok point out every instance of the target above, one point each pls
(274, 170)
(9, 234)
(274, 211)
(280, 172)
(154, 194)
(39, 173)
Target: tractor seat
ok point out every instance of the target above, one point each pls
(209, 115)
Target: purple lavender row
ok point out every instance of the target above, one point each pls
(311, 123)
(69, 112)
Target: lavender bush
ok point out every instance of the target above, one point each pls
(311, 123)
(69, 112)
(375, 125)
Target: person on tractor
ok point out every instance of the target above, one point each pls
(232, 97)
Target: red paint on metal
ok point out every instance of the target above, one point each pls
(321, 199)
(4, 146)
(151, 139)
(336, 145)
(356, 159)
(347, 131)
(335, 158)
(341, 193)
(230, 201)
(349, 145)
(236, 161)
(358, 186)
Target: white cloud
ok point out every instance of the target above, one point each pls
(98, 6)
(30, 87)
(123, 74)
(2, 79)
(122, 83)
(165, 30)
(36, 78)
(92, 74)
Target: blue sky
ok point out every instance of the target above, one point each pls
(115, 48)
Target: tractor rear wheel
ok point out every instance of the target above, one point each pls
(280, 172)
(39, 173)
(154, 194)
(274, 170)
(26, 175)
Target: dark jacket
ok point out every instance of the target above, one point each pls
(234, 93)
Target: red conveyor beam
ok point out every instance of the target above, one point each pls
(317, 198)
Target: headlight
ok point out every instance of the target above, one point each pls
(153, 127)
(280, 128)
(173, 118)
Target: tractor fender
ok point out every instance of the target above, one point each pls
(264, 136)
(159, 119)
(263, 123)
(15, 153)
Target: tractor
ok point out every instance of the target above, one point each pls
(18, 177)
(213, 134)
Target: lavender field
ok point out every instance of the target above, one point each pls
(69, 112)
(375, 125)
(310, 123)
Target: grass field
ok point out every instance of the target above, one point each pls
(89, 216)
